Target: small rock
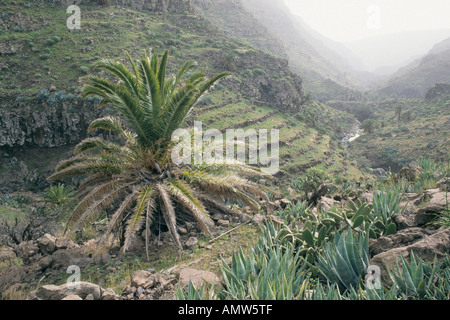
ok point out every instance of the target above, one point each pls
(89, 297)
(72, 297)
(197, 277)
(46, 244)
(366, 197)
(223, 223)
(182, 230)
(245, 218)
(109, 295)
(141, 278)
(444, 184)
(284, 203)
(217, 216)
(258, 219)
(191, 242)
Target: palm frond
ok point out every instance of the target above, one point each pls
(136, 221)
(92, 197)
(94, 210)
(169, 212)
(116, 218)
(181, 191)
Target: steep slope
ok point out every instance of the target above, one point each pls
(307, 54)
(414, 80)
(42, 115)
(269, 26)
(392, 51)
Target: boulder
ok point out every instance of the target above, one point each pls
(437, 203)
(64, 258)
(245, 218)
(444, 184)
(429, 247)
(191, 242)
(409, 173)
(197, 277)
(403, 221)
(400, 239)
(46, 244)
(142, 278)
(80, 289)
(28, 250)
(258, 219)
(7, 254)
(64, 243)
(72, 297)
(110, 295)
(136, 247)
(223, 223)
(327, 203)
(366, 197)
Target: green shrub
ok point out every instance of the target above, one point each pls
(84, 69)
(49, 42)
(259, 72)
(45, 56)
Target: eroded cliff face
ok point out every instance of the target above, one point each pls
(35, 135)
(33, 123)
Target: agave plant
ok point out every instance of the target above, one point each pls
(386, 203)
(137, 173)
(205, 292)
(346, 260)
(414, 279)
(264, 274)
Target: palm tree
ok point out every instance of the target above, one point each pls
(138, 175)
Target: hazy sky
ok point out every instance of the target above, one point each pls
(347, 20)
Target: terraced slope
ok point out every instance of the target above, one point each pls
(42, 62)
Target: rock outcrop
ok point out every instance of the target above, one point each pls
(425, 247)
(60, 120)
(73, 291)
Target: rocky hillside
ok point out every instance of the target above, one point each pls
(414, 80)
(418, 221)
(269, 26)
(42, 115)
